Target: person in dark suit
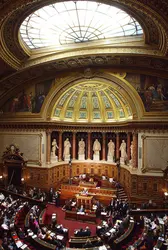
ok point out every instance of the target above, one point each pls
(81, 209)
(88, 244)
(87, 231)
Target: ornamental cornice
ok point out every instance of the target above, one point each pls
(148, 65)
(135, 127)
(142, 9)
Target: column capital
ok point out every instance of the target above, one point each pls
(48, 131)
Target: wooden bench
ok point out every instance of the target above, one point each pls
(80, 241)
(119, 241)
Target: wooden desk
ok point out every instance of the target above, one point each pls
(85, 200)
(88, 184)
(80, 241)
(73, 215)
(104, 195)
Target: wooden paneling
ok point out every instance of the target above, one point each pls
(141, 188)
(53, 177)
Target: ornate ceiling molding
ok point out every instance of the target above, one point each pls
(150, 126)
(155, 25)
(150, 65)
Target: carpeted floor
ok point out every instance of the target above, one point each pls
(70, 224)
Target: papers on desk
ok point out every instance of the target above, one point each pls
(153, 225)
(112, 230)
(103, 213)
(34, 236)
(30, 234)
(19, 243)
(161, 239)
(52, 234)
(5, 227)
(161, 221)
(24, 246)
(59, 237)
(12, 225)
(80, 212)
(118, 221)
(103, 248)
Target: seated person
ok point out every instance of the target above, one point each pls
(79, 232)
(104, 177)
(88, 244)
(60, 229)
(48, 236)
(91, 179)
(85, 191)
(98, 243)
(81, 209)
(87, 231)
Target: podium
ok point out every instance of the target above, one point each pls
(84, 200)
(87, 184)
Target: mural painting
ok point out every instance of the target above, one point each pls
(30, 99)
(152, 90)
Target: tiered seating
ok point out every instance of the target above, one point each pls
(79, 242)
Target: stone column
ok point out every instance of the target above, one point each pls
(128, 145)
(48, 149)
(135, 151)
(74, 146)
(104, 147)
(89, 145)
(117, 146)
(60, 147)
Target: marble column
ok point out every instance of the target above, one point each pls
(135, 151)
(48, 149)
(117, 146)
(89, 145)
(74, 146)
(60, 146)
(104, 147)
(128, 145)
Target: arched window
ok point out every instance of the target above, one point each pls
(72, 22)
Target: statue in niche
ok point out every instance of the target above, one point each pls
(81, 149)
(67, 146)
(111, 149)
(96, 149)
(123, 152)
(54, 147)
(131, 151)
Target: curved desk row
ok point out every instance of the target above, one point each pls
(119, 241)
(80, 241)
(86, 217)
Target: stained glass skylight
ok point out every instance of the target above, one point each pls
(76, 22)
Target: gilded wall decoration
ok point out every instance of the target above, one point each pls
(155, 155)
(152, 90)
(29, 144)
(29, 99)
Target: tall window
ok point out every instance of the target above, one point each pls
(76, 22)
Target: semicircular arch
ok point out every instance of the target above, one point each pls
(103, 98)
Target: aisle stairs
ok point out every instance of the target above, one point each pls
(121, 194)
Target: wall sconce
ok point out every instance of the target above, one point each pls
(1, 177)
(165, 194)
(22, 180)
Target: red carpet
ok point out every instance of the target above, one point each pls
(70, 224)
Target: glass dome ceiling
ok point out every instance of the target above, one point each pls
(76, 22)
(92, 101)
